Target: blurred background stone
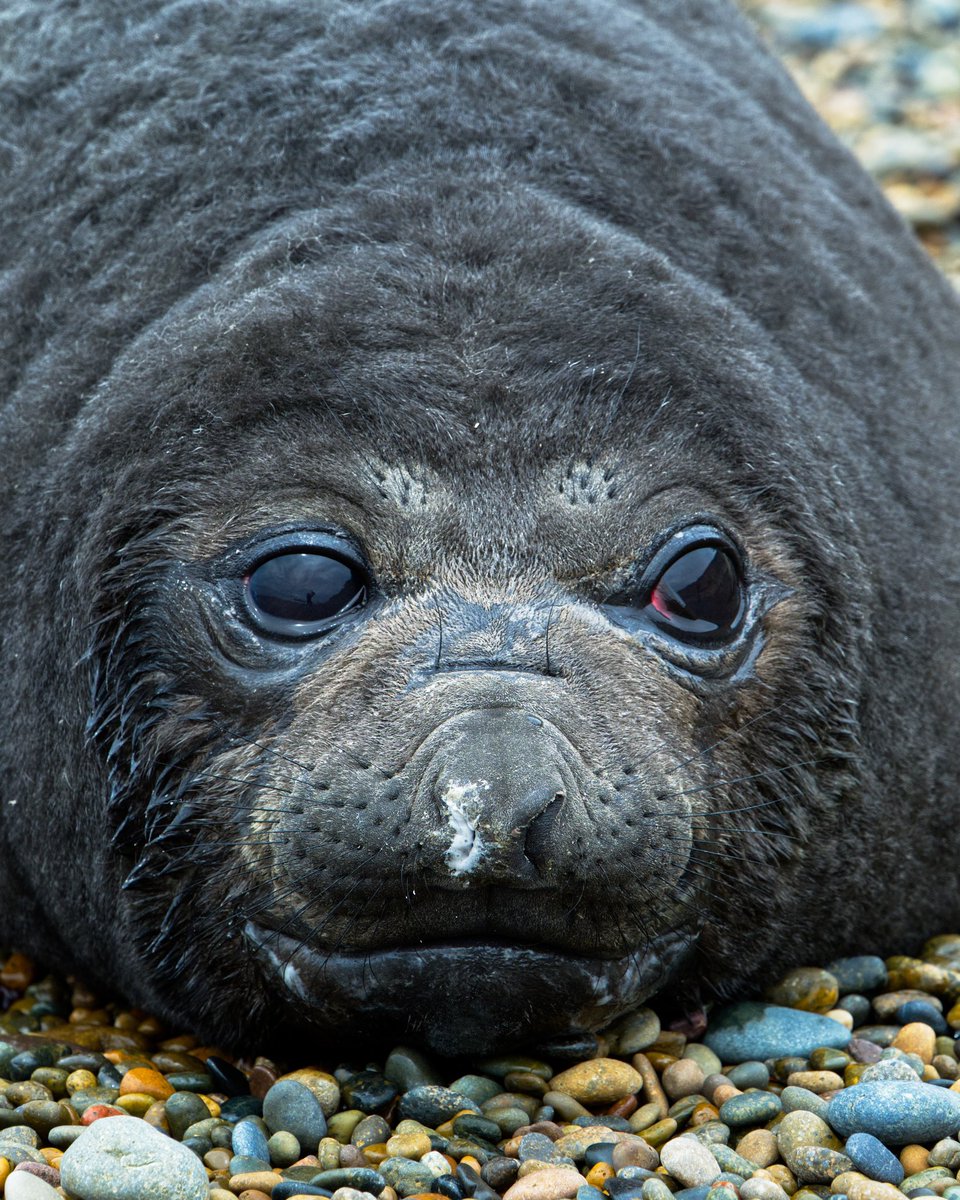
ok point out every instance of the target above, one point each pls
(885, 75)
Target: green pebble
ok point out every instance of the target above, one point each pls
(62, 1136)
(749, 1074)
(471, 1126)
(200, 1146)
(681, 1109)
(924, 1179)
(656, 1189)
(344, 1125)
(183, 1109)
(20, 1135)
(798, 1099)
(83, 1099)
(730, 1160)
(708, 1062)
(479, 1088)
(825, 1058)
(750, 1108)
(508, 1120)
(54, 1078)
(284, 1149)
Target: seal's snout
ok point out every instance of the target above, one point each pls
(504, 788)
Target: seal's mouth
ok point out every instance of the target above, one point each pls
(467, 996)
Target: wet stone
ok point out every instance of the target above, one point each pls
(896, 1112)
(732, 1161)
(750, 1030)
(872, 1158)
(811, 989)
(431, 1105)
(598, 1081)
(749, 1075)
(690, 1162)
(478, 1088)
(538, 1146)
(857, 1006)
(859, 973)
(636, 1032)
(750, 1108)
(123, 1158)
(889, 1069)
(249, 1139)
(182, 1110)
(818, 1164)
(924, 1012)
(367, 1091)
(499, 1173)
(370, 1131)
(293, 1108)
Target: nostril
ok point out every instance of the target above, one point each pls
(540, 831)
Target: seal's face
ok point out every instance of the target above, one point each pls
(434, 737)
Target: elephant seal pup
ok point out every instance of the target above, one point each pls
(480, 517)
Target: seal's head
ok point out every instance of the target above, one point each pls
(465, 594)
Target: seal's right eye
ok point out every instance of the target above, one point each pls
(303, 592)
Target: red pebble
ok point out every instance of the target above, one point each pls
(42, 1171)
(96, 1111)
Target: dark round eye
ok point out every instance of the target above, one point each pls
(700, 595)
(302, 592)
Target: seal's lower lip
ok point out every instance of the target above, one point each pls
(465, 997)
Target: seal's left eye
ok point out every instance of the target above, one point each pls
(699, 595)
(302, 592)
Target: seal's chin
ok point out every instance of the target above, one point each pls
(465, 997)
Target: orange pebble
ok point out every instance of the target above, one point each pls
(599, 1173)
(96, 1111)
(469, 1161)
(146, 1080)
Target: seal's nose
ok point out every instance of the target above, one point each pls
(501, 784)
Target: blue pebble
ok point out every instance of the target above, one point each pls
(249, 1140)
(290, 1187)
(290, 1106)
(749, 1075)
(873, 1159)
(919, 1010)
(750, 1030)
(896, 1112)
(861, 973)
(694, 1193)
(587, 1192)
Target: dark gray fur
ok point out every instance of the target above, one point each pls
(475, 281)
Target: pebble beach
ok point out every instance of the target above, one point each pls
(840, 1081)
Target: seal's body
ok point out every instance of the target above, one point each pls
(480, 515)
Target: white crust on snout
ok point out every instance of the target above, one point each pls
(463, 802)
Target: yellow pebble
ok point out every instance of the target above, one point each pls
(213, 1108)
(137, 1104)
(598, 1081)
(469, 1161)
(408, 1145)
(78, 1080)
(6, 1166)
(599, 1173)
(914, 1158)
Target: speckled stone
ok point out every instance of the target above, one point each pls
(817, 1164)
(432, 1105)
(896, 1112)
(871, 1157)
(750, 1108)
(551, 1183)
(751, 1030)
(811, 989)
(598, 1081)
(689, 1162)
(860, 973)
(802, 1128)
(636, 1031)
(123, 1158)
